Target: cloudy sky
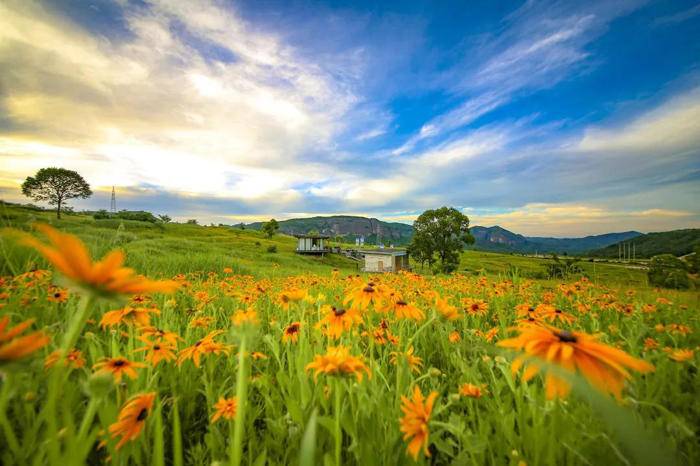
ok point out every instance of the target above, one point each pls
(547, 118)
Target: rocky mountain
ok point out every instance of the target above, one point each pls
(348, 227)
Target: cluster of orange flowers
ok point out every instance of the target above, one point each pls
(369, 310)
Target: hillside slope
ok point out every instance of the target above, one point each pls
(156, 248)
(676, 242)
(348, 227)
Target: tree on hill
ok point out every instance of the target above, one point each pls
(441, 233)
(56, 186)
(270, 228)
(165, 218)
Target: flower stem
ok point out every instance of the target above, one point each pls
(241, 397)
(338, 430)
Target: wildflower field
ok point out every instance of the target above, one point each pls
(275, 359)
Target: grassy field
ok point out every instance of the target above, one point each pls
(275, 358)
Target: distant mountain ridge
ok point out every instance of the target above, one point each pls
(676, 242)
(498, 239)
(348, 227)
(501, 240)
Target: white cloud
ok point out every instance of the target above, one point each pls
(673, 126)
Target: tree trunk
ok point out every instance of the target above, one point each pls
(58, 209)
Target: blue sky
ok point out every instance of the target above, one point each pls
(547, 118)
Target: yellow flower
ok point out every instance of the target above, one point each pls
(338, 361)
(414, 424)
(70, 256)
(204, 346)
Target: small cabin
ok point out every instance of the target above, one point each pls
(385, 260)
(312, 244)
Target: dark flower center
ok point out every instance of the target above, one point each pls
(119, 363)
(156, 347)
(293, 329)
(142, 415)
(338, 312)
(368, 289)
(566, 337)
(558, 311)
(401, 302)
(57, 295)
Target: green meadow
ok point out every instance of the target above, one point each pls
(263, 319)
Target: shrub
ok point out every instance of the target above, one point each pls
(101, 215)
(272, 249)
(562, 269)
(668, 271)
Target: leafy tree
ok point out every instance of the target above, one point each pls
(441, 233)
(192, 221)
(270, 228)
(56, 186)
(165, 218)
(668, 271)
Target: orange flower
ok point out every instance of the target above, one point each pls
(70, 256)
(336, 320)
(249, 316)
(291, 332)
(682, 355)
(74, 359)
(161, 335)
(117, 367)
(476, 307)
(338, 361)
(446, 309)
(57, 295)
(157, 351)
(403, 310)
(414, 424)
(650, 343)
(226, 408)
(204, 346)
(132, 418)
(201, 322)
(552, 314)
(362, 296)
(413, 361)
(604, 366)
(141, 316)
(286, 297)
(454, 337)
(470, 390)
(14, 347)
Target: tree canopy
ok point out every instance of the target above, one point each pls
(56, 186)
(270, 228)
(440, 234)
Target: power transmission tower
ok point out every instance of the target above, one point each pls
(113, 203)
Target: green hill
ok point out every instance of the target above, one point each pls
(165, 249)
(676, 242)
